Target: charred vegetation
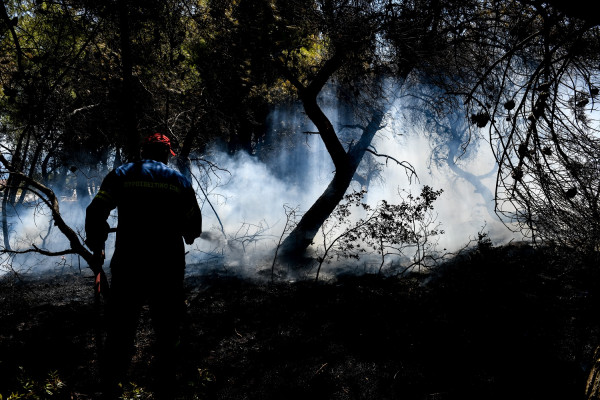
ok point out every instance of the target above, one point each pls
(494, 322)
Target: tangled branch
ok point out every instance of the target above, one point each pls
(48, 197)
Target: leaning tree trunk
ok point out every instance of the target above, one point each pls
(182, 161)
(295, 245)
(345, 162)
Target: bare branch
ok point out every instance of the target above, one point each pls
(36, 249)
(410, 170)
(51, 201)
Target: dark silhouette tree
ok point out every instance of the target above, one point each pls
(536, 93)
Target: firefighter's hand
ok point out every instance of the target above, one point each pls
(99, 255)
(189, 239)
(96, 237)
(97, 260)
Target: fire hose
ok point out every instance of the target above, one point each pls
(101, 286)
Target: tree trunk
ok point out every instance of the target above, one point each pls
(345, 162)
(182, 160)
(295, 245)
(82, 185)
(10, 190)
(5, 225)
(132, 139)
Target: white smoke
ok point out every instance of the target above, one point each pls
(243, 200)
(462, 211)
(250, 197)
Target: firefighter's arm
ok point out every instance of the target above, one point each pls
(192, 221)
(96, 226)
(96, 215)
(96, 229)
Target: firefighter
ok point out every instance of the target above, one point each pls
(157, 212)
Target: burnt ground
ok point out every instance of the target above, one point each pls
(500, 323)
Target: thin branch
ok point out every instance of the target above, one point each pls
(35, 249)
(411, 172)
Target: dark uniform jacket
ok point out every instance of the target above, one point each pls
(157, 207)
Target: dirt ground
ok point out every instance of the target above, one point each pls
(504, 323)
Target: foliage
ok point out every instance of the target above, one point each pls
(51, 388)
(134, 392)
(484, 242)
(390, 230)
(538, 93)
(233, 51)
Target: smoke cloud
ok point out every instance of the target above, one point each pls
(243, 200)
(249, 200)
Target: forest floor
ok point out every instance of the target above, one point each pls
(501, 323)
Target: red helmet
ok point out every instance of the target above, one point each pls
(160, 139)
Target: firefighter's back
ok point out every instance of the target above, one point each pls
(151, 210)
